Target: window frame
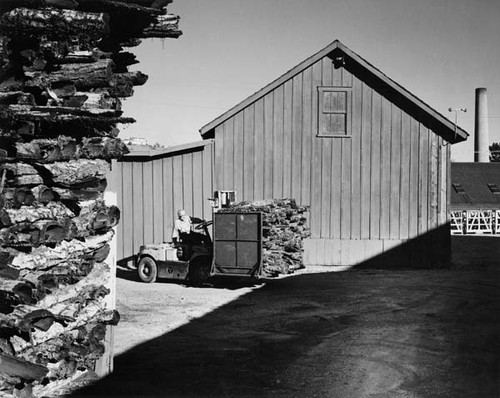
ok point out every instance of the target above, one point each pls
(347, 113)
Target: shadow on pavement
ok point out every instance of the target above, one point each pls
(358, 333)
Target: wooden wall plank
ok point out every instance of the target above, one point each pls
(336, 76)
(414, 184)
(326, 183)
(315, 179)
(137, 207)
(404, 195)
(268, 146)
(346, 149)
(385, 168)
(168, 198)
(258, 178)
(187, 183)
(117, 171)
(395, 172)
(248, 152)
(149, 210)
(219, 156)
(238, 157)
(126, 209)
(198, 198)
(366, 166)
(307, 115)
(278, 143)
(345, 200)
(326, 160)
(336, 188)
(346, 78)
(228, 159)
(208, 176)
(296, 131)
(177, 182)
(287, 139)
(375, 181)
(443, 182)
(356, 159)
(433, 182)
(158, 201)
(423, 180)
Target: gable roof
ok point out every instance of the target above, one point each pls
(473, 190)
(352, 61)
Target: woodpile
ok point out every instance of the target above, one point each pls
(284, 227)
(63, 71)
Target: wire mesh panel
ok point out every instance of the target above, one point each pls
(237, 244)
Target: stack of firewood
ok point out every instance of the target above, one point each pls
(284, 227)
(63, 70)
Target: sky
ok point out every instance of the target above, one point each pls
(440, 50)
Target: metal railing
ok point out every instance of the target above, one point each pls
(475, 222)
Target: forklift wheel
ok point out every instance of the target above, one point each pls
(147, 269)
(199, 271)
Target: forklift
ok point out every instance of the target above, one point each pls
(233, 249)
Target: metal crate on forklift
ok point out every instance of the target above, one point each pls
(237, 244)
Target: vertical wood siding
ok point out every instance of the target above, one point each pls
(387, 180)
(150, 193)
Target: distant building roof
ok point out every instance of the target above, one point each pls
(475, 186)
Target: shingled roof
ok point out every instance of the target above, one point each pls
(475, 186)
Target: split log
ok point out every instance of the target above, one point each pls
(59, 112)
(54, 114)
(31, 214)
(122, 84)
(78, 172)
(35, 234)
(22, 291)
(17, 197)
(103, 148)
(43, 194)
(22, 174)
(54, 24)
(92, 101)
(16, 367)
(48, 150)
(83, 76)
(66, 194)
(45, 257)
(165, 26)
(16, 97)
(96, 217)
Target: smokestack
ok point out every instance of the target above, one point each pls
(481, 134)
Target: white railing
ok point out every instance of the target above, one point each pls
(475, 222)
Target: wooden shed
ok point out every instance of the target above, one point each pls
(369, 158)
(152, 185)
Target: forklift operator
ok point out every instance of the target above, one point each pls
(183, 230)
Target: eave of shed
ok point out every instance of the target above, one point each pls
(165, 152)
(388, 87)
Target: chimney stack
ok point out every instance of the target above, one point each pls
(481, 134)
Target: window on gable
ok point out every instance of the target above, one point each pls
(494, 189)
(334, 105)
